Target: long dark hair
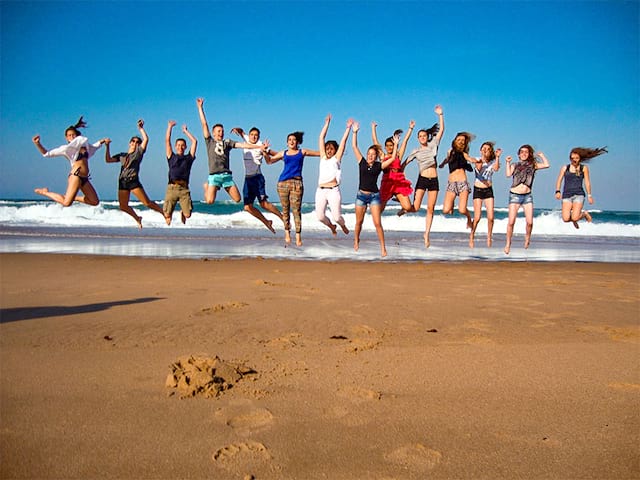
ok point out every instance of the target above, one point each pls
(78, 125)
(587, 154)
(299, 136)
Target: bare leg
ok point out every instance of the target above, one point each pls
(270, 207)
(513, 212)
(360, 211)
(123, 200)
(258, 214)
(234, 193)
(432, 196)
(528, 214)
(209, 193)
(151, 205)
(462, 207)
(376, 214)
(477, 215)
(489, 204)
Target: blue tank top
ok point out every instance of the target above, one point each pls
(572, 183)
(292, 166)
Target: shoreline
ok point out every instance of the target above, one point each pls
(382, 370)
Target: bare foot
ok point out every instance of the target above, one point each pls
(334, 229)
(183, 218)
(383, 252)
(167, 219)
(269, 225)
(345, 230)
(469, 223)
(472, 242)
(356, 245)
(401, 212)
(139, 221)
(575, 224)
(489, 241)
(287, 237)
(427, 242)
(527, 241)
(298, 240)
(587, 215)
(507, 249)
(41, 191)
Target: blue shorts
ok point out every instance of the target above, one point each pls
(254, 187)
(364, 199)
(520, 198)
(574, 199)
(221, 180)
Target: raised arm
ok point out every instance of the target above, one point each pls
(107, 152)
(405, 140)
(143, 134)
(354, 142)
(36, 142)
(389, 161)
(440, 113)
(343, 141)
(239, 131)
(374, 133)
(192, 139)
(323, 135)
(203, 118)
(508, 171)
(496, 166)
(167, 138)
(545, 162)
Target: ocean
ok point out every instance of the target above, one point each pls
(224, 230)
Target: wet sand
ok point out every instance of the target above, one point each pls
(347, 370)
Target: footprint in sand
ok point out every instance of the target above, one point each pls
(358, 394)
(243, 457)
(245, 417)
(221, 307)
(415, 457)
(364, 338)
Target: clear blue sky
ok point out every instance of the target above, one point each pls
(553, 74)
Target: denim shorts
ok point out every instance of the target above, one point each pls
(221, 180)
(364, 199)
(520, 198)
(574, 199)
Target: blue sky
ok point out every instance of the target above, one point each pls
(552, 74)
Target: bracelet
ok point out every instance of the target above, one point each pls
(589, 195)
(557, 191)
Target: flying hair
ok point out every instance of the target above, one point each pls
(587, 154)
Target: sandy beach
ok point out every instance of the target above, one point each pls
(324, 370)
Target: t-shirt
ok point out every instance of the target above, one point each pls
(426, 156)
(252, 159)
(485, 172)
(369, 175)
(180, 167)
(218, 153)
(130, 163)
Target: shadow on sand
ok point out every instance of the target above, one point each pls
(28, 313)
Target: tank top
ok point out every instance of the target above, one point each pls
(292, 166)
(523, 173)
(572, 182)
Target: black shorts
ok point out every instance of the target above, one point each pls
(430, 184)
(482, 193)
(129, 183)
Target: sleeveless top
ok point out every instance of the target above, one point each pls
(485, 172)
(523, 173)
(328, 170)
(573, 182)
(458, 161)
(292, 166)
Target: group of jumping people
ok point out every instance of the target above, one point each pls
(389, 161)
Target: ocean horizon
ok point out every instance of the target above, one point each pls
(224, 230)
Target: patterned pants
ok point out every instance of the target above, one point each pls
(290, 192)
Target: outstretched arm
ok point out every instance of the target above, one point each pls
(143, 134)
(354, 142)
(167, 138)
(323, 135)
(203, 118)
(238, 131)
(192, 139)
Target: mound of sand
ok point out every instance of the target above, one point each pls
(192, 376)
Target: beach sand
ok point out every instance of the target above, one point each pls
(325, 370)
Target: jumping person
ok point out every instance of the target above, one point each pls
(179, 172)
(484, 168)
(458, 159)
